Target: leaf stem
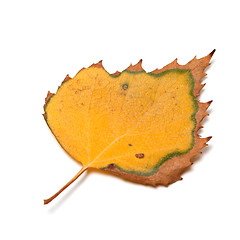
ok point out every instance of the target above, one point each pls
(46, 201)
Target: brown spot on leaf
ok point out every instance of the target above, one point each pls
(111, 166)
(139, 155)
(125, 86)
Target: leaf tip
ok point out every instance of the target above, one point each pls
(212, 52)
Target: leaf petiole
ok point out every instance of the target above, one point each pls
(46, 201)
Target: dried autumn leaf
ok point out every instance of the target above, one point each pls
(140, 126)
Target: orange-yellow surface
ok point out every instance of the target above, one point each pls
(133, 120)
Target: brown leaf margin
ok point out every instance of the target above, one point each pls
(171, 170)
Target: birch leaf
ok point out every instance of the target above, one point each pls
(138, 125)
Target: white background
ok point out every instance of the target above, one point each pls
(41, 42)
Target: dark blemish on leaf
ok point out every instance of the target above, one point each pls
(130, 145)
(139, 155)
(111, 166)
(125, 86)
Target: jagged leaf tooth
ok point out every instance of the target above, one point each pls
(97, 65)
(66, 78)
(136, 68)
(140, 126)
